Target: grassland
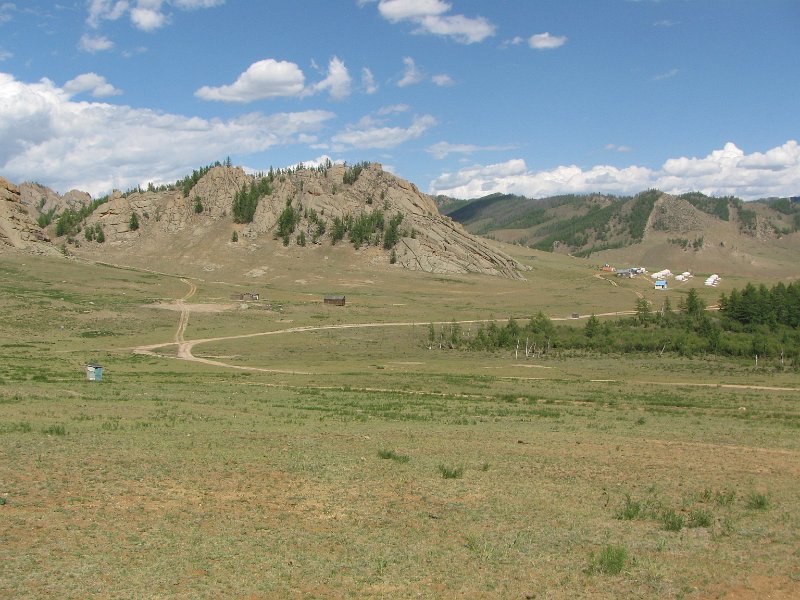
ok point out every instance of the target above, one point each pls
(373, 466)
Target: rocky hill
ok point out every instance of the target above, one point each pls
(17, 229)
(221, 209)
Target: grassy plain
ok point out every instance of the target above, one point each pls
(376, 467)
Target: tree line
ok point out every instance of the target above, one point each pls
(756, 322)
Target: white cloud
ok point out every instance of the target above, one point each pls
(412, 75)
(368, 134)
(668, 75)
(5, 54)
(393, 109)
(616, 148)
(6, 8)
(430, 17)
(441, 150)
(147, 15)
(515, 41)
(546, 41)
(45, 136)
(91, 82)
(443, 80)
(263, 79)
(337, 82)
(94, 44)
(368, 81)
(728, 171)
(399, 10)
(148, 19)
(105, 10)
(269, 78)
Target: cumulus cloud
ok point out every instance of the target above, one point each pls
(147, 15)
(371, 134)
(430, 18)
(269, 78)
(723, 172)
(93, 83)
(89, 43)
(411, 75)
(263, 79)
(338, 81)
(148, 19)
(94, 146)
(546, 41)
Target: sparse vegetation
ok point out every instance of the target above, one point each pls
(610, 561)
(449, 472)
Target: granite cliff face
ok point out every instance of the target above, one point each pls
(18, 230)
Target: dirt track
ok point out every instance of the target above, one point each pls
(185, 347)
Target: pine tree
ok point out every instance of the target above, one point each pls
(133, 224)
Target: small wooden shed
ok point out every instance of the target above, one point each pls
(335, 299)
(94, 372)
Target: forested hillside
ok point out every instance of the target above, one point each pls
(584, 224)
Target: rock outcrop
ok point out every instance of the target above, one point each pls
(17, 228)
(427, 242)
(173, 221)
(43, 199)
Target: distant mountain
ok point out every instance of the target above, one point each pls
(632, 228)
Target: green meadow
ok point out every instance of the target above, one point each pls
(306, 459)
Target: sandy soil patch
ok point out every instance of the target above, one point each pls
(195, 308)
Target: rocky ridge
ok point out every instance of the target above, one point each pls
(172, 221)
(17, 229)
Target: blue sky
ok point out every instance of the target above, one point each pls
(463, 97)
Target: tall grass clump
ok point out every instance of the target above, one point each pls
(451, 472)
(756, 501)
(630, 510)
(55, 430)
(392, 455)
(610, 561)
(671, 520)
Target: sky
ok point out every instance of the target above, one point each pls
(460, 97)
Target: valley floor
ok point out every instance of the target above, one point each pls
(339, 461)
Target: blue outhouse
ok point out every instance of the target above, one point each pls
(94, 372)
